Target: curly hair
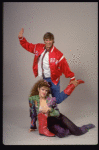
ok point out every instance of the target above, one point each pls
(39, 84)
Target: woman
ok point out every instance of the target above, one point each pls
(51, 121)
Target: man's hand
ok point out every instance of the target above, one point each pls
(21, 33)
(75, 82)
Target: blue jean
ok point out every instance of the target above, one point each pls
(55, 91)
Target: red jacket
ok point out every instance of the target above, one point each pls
(57, 61)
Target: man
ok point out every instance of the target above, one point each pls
(50, 63)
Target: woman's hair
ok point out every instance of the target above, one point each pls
(39, 84)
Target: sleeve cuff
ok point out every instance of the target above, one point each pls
(73, 78)
(21, 38)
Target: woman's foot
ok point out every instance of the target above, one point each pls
(89, 126)
(85, 128)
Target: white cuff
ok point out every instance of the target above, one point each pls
(73, 78)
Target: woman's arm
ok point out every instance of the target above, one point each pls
(33, 114)
(54, 111)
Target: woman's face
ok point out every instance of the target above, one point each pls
(43, 91)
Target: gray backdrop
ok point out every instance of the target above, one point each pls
(75, 27)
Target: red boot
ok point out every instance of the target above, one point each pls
(42, 119)
(70, 88)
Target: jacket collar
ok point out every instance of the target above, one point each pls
(52, 49)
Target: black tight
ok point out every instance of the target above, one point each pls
(62, 126)
(71, 126)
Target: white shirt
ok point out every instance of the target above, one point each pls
(46, 66)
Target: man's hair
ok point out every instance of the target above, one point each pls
(48, 35)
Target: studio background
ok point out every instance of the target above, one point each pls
(75, 27)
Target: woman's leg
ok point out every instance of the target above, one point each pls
(42, 120)
(73, 128)
(55, 127)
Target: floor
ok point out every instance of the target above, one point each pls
(16, 123)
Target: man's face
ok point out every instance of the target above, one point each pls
(48, 43)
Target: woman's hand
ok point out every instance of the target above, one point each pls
(30, 130)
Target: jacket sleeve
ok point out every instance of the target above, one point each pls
(54, 112)
(26, 45)
(54, 109)
(65, 69)
(33, 113)
(31, 101)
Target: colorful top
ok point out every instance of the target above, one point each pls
(51, 102)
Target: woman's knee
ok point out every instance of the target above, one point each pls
(60, 132)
